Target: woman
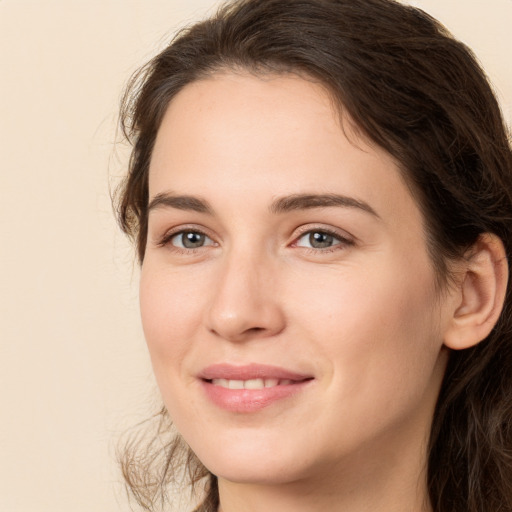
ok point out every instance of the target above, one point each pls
(321, 196)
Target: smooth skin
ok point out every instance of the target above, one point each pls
(239, 270)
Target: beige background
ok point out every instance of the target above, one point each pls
(73, 368)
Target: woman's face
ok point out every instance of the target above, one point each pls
(287, 297)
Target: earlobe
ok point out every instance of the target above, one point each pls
(481, 296)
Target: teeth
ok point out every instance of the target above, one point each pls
(254, 384)
(249, 384)
(236, 384)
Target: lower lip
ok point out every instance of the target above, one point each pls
(250, 400)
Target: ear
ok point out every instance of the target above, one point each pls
(480, 294)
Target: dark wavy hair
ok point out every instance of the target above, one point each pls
(415, 91)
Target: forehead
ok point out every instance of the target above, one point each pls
(274, 134)
(230, 111)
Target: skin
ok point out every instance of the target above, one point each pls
(363, 317)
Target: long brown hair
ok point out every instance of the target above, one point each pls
(418, 93)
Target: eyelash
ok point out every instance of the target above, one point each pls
(343, 242)
(165, 241)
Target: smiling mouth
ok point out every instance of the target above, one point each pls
(251, 388)
(252, 383)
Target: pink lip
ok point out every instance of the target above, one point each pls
(250, 400)
(250, 371)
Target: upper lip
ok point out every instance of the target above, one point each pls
(250, 371)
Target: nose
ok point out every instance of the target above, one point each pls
(245, 303)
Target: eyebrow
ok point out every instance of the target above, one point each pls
(180, 202)
(279, 205)
(309, 201)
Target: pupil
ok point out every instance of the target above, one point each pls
(320, 240)
(192, 240)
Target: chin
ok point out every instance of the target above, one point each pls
(259, 473)
(255, 463)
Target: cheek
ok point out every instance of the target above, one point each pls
(375, 328)
(170, 313)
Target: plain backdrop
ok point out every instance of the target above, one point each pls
(74, 372)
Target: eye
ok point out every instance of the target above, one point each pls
(320, 239)
(190, 240)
